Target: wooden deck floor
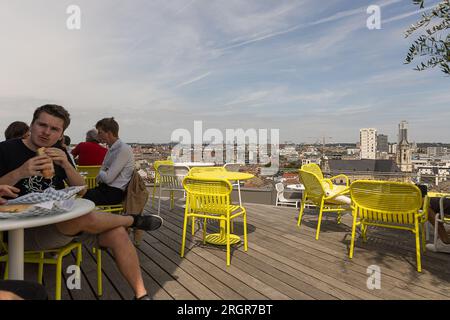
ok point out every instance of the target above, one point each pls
(282, 262)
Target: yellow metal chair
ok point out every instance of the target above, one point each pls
(192, 172)
(387, 204)
(89, 173)
(210, 199)
(156, 182)
(316, 194)
(328, 183)
(119, 209)
(53, 256)
(171, 179)
(195, 170)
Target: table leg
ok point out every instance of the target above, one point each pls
(220, 238)
(239, 192)
(15, 254)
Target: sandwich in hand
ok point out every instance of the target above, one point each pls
(49, 172)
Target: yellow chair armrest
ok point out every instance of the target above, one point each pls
(330, 183)
(340, 193)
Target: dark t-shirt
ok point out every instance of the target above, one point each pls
(13, 154)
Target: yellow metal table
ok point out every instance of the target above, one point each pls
(220, 238)
(437, 194)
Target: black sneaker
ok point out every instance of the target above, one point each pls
(148, 222)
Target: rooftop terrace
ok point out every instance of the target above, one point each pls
(283, 262)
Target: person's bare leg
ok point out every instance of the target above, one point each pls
(94, 222)
(126, 257)
(443, 235)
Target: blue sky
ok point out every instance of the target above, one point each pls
(308, 68)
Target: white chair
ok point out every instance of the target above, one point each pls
(234, 167)
(171, 179)
(281, 200)
(440, 218)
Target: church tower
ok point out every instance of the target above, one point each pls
(403, 149)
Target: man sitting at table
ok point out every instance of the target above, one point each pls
(443, 241)
(117, 167)
(19, 166)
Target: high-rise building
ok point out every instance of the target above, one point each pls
(368, 143)
(382, 143)
(404, 161)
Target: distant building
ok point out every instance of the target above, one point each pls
(433, 174)
(403, 149)
(392, 148)
(310, 160)
(382, 143)
(436, 151)
(352, 151)
(368, 169)
(368, 142)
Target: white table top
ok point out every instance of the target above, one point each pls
(298, 187)
(81, 207)
(194, 164)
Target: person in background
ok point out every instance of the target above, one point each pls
(16, 130)
(89, 153)
(117, 167)
(65, 144)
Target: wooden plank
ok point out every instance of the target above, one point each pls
(258, 285)
(196, 271)
(304, 244)
(314, 278)
(277, 238)
(241, 288)
(111, 272)
(318, 260)
(49, 281)
(334, 273)
(176, 271)
(89, 269)
(86, 291)
(164, 278)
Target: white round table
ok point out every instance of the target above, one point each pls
(194, 164)
(296, 187)
(15, 228)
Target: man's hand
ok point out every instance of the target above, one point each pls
(34, 166)
(8, 191)
(58, 156)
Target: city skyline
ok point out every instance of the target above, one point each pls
(307, 69)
